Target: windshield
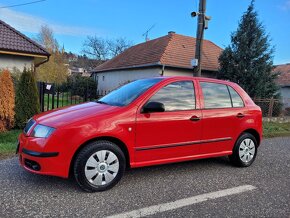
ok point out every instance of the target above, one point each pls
(128, 93)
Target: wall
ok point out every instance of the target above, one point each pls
(13, 61)
(108, 81)
(285, 94)
(185, 72)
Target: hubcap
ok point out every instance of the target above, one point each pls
(247, 150)
(101, 167)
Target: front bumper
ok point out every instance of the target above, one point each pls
(36, 156)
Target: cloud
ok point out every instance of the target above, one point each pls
(285, 6)
(29, 23)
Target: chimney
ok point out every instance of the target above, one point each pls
(171, 32)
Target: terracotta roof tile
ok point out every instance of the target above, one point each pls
(284, 77)
(171, 50)
(13, 40)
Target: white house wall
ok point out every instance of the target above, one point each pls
(285, 94)
(108, 81)
(11, 62)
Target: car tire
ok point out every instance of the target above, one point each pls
(99, 166)
(244, 151)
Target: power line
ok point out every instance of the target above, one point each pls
(27, 3)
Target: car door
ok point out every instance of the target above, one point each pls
(171, 135)
(220, 117)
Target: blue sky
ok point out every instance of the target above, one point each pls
(73, 20)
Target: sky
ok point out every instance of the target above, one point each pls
(72, 21)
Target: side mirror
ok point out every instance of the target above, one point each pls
(153, 107)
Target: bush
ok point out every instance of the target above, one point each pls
(82, 86)
(27, 101)
(7, 101)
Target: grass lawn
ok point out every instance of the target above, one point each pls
(8, 143)
(8, 140)
(273, 129)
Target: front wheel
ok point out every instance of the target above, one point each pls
(99, 166)
(245, 150)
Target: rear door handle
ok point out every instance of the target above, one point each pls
(194, 118)
(240, 115)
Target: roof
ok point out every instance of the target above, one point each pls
(172, 50)
(284, 77)
(14, 41)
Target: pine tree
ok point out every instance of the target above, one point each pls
(27, 102)
(248, 60)
(7, 101)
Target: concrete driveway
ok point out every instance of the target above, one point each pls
(210, 187)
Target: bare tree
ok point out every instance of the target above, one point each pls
(101, 49)
(118, 46)
(95, 47)
(46, 38)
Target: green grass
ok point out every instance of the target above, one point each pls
(273, 129)
(8, 142)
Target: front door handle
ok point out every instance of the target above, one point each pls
(240, 115)
(194, 118)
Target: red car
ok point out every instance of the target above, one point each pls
(146, 122)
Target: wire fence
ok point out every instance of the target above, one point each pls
(274, 107)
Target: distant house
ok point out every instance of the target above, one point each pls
(18, 51)
(283, 81)
(165, 56)
(74, 71)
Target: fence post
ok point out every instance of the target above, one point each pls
(53, 93)
(271, 105)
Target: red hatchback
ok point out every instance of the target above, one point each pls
(146, 122)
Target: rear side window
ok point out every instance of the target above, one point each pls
(236, 98)
(176, 96)
(215, 95)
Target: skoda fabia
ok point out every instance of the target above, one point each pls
(143, 123)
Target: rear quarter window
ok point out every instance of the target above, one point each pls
(236, 98)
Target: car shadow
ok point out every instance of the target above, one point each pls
(48, 183)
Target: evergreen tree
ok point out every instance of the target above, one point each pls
(248, 61)
(27, 102)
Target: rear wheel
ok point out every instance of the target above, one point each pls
(99, 166)
(245, 150)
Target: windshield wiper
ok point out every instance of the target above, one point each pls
(102, 102)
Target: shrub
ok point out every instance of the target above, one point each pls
(7, 101)
(27, 101)
(82, 86)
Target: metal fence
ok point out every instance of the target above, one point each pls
(52, 96)
(274, 107)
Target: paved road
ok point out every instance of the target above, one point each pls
(27, 195)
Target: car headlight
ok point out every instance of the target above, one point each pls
(41, 131)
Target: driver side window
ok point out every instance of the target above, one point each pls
(176, 96)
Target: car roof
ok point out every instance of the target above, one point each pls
(205, 79)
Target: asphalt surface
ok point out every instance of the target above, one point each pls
(23, 194)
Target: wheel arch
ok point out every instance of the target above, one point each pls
(116, 141)
(253, 132)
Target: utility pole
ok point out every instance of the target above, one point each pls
(202, 24)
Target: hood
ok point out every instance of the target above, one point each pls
(71, 114)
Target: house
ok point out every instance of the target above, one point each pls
(283, 81)
(74, 71)
(168, 55)
(18, 51)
